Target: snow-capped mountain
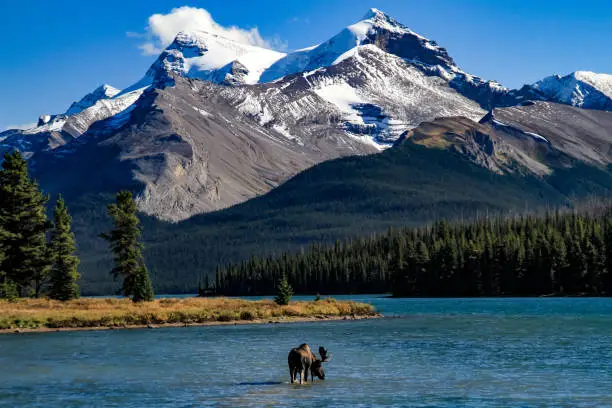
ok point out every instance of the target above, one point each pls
(375, 28)
(214, 122)
(583, 89)
(206, 56)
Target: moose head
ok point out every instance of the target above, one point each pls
(316, 369)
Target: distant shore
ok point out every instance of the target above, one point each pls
(43, 315)
(287, 320)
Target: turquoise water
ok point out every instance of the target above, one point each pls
(436, 353)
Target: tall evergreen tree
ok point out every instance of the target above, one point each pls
(24, 220)
(64, 275)
(127, 249)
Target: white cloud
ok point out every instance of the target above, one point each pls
(162, 29)
(22, 126)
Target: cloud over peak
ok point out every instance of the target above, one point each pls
(163, 28)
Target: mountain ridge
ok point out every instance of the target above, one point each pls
(353, 94)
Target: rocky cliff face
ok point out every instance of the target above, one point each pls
(533, 139)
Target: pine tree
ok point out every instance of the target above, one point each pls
(285, 291)
(127, 249)
(143, 289)
(64, 274)
(24, 221)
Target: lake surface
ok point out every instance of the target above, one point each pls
(438, 353)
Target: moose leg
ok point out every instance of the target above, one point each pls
(302, 372)
(292, 374)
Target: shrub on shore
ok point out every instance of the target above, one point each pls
(285, 292)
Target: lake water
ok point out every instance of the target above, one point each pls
(438, 353)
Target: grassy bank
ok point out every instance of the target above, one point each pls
(44, 314)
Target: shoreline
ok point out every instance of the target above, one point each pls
(46, 315)
(276, 320)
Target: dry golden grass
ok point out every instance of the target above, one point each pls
(434, 142)
(111, 312)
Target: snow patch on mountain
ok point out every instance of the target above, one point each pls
(54, 131)
(601, 82)
(202, 112)
(285, 132)
(367, 140)
(344, 97)
(102, 92)
(102, 109)
(537, 136)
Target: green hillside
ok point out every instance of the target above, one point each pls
(407, 185)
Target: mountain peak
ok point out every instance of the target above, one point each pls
(374, 13)
(584, 89)
(190, 44)
(212, 57)
(107, 90)
(378, 19)
(104, 91)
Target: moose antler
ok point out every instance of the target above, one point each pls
(323, 353)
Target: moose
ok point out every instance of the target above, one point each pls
(301, 359)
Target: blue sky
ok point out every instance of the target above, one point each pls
(54, 52)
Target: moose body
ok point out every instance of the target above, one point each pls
(302, 360)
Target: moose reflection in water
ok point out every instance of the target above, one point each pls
(301, 359)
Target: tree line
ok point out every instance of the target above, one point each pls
(38, 256)
(559, 253)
